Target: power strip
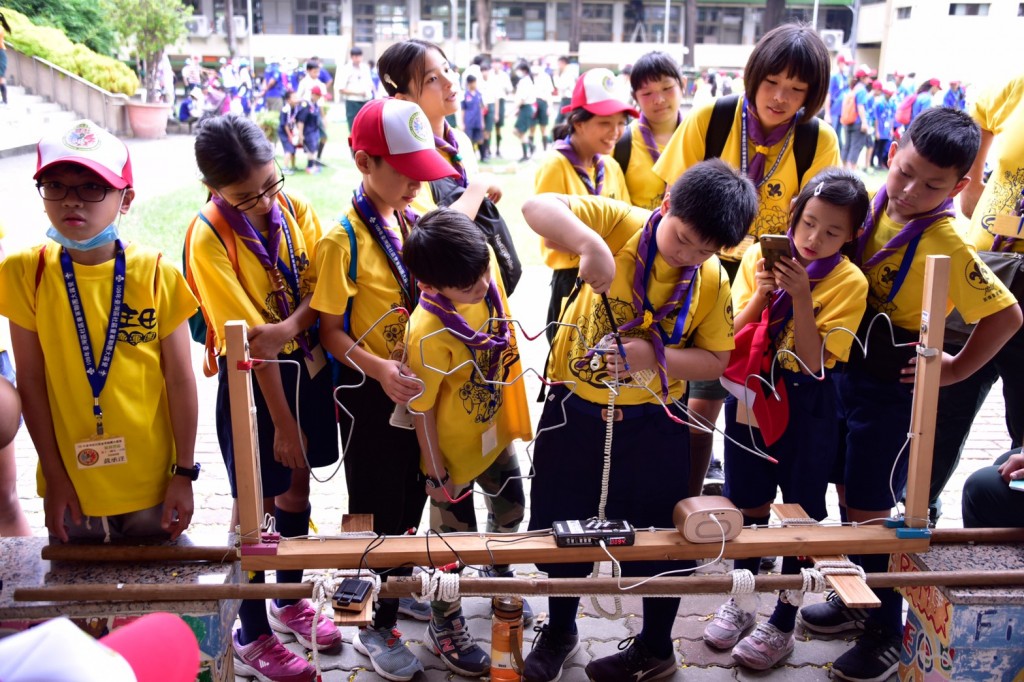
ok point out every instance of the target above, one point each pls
(591, 532)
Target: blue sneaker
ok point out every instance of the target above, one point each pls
(417, 610)
(388, 654)
(452, 642)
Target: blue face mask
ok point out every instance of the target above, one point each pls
(107, 236)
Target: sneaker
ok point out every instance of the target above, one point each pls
(452, 642)
(831, 616)
(769, 563)
(489, 572)
(418, 610)
(551, 649)
(714, 480)
(297, 620)
(387, 653)
(634, 662)
(287, 171)
(764, 647)
(874, 658)
(268, 660)
(729, 624)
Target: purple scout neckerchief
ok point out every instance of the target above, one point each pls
(450, 146)
(782, 302)
(648, 135)
(483, 340)
(389, 242)
(762, 144)
(908, 236)
(252, 239)
(569, 152)
(648, 319)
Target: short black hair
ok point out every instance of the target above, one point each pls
(654, 66)
(716, 201)
(838, 187)
(446, 249)
(947, 137)
(795, 50)
(355, 51)
(470, 79)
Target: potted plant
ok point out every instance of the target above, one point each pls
(149, 27)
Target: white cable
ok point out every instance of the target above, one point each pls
(606, 468)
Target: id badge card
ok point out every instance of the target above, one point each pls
(1008, 226)
(317, 362)
(489, 441)
(100, 451)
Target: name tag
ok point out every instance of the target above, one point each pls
(490, 440)
(317, 362)
(1008, 226)
(100, 452)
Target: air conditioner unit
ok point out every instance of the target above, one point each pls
(240, 28)
(833, 39)
(431, 30)
(198, 25)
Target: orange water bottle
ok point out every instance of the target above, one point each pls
(507, 639)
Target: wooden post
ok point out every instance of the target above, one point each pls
(243, 431)
(926, 390)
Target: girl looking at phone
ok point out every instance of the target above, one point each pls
(803, 297)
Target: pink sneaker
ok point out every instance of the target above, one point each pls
(297, 620)
(268, 660)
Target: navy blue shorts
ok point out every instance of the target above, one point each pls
(286, 143)
(806, 451)
(317, 419)
(650, 469)
(876, 413)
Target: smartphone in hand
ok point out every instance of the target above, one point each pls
(774, 247)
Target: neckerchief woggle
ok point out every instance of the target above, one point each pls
(648, 136)
(648, 318)
(569, 152)
(277, 270)
(752, 132)
(450, 146)
(782, 302)
(389, 243)
(475, 340)
(96, 374)
(908, 236)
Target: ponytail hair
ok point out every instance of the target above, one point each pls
(3, 20)
(403, 64)
(229, 148)
(567, 126)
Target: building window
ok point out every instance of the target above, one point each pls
(1020, 10)
(596, 23)
(903, 12)
(440, 10)
(968, 9)
(317, 17)
(521, 21)
(383, 21)
(654, 23)
(719, 25)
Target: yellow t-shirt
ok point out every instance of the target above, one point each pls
(249, 296)
(646, 189)
(708, 324)
(1000, 111)
(557, 175)
(471, 414)
(157, 300)
(838, 300)
(374, 292)
(973, 289)
(687, 146)
(424, 201)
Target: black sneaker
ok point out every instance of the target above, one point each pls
(769, 563)
(831, 616)
(874, 658)
(551, 649)
(633, 662)
(714, 480)
(490, 572)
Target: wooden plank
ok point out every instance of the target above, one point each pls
(243, 424)
(360, 618)
(852, 589)
(523, 548)
(356, 523)
(926, 390)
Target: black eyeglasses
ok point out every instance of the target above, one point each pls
(90, 192)
(269, 193)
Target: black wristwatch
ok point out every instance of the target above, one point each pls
(434, 483)
(191, 474)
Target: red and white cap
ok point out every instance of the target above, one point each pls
(598, 92)
(88, 145)
(399, 131)
(158, 647)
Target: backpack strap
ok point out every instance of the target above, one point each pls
(805, 146)
(719, 126)
(352, 270)
(624, 149)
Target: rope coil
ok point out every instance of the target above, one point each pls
(742, 581)
(438, 586)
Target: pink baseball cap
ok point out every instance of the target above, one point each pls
(158, 647)
(316, 90)
(88, 145)
(399, 131)
(597, 91)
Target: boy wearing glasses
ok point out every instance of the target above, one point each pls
(102, 349)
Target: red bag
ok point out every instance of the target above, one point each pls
(750, 360)
(905, 110)
(848, 114)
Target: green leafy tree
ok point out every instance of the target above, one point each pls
(83, 21)
(149, 27)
